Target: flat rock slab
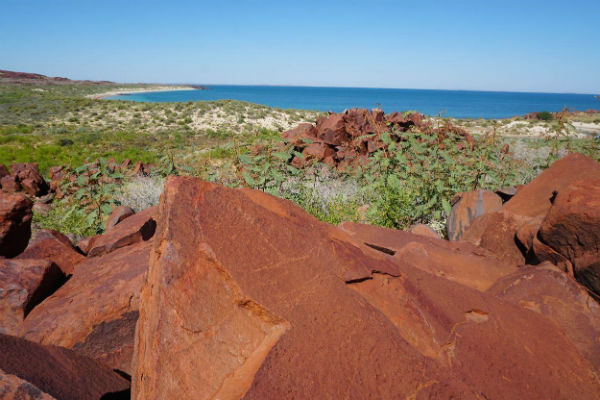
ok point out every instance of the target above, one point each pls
(469, 206)
(136, 228)
(264, 301)
(57, 372)
(23, 285)
(95, 312)
(460, 262)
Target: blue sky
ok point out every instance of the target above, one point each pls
(547, 46)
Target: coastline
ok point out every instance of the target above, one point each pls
(117, 92)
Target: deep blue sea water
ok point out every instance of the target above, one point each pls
(451, 103)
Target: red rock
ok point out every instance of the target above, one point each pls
(10, 184)
(56, 173)
(571, 229)
(264, 301)
(469, 206)
(3, 171)
(15, 223)
(14, 388)
(23, 285)
(139, 227)
(456, 261)
(95, 312)
(85, 244)
(424, 230)
(303, 131)
(545, 290)
(54, 371)
(118, 215)
(317, 151)
(253, 303)
(330, 129)
(29, 176)
(49, 247)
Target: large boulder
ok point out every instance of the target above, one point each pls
(138, 227)
(23, 285)
(46, 371)
(55, 247)
(468, 206)
(264, 301)
(572, 229)
(497, 231)
(15, 223)
(95, 312)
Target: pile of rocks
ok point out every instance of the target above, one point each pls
(233, 293)
(348, 138)
(24, 177)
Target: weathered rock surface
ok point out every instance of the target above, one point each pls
(15, 223)
(424, 230)
(95, 312)
(548, 291)
(467, 207)
(264, 301)
(29, 178)
(139, 227)
(118, 215)
(23, 285)
(53, 372)
(253, 303)
(572, 229)
(14, 388)
(456, 261)
(55, 247)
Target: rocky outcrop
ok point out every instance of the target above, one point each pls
(46, 372)
(348, 138)
(15, 223)
(95, 312)
(264, 301)
(23, 285)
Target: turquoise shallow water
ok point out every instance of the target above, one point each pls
(455, 103)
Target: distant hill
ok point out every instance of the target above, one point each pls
(39, 79)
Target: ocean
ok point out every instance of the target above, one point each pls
(448, 103)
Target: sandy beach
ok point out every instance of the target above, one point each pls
(117, 92)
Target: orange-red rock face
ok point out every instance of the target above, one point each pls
(56, 248)
(95, 312)
(15, 223)
(469, 206)
(46, 372)
(263, 301)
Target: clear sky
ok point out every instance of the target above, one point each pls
(547, 46)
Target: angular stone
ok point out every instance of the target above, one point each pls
(139, 227)
(10, 184)
(56, 249)
(23, 285)
(95, 312)
(253, 304)
(456, 261)
(118, 215)
(297, 135)
(469, 206)
(264, 301)
(58, 372)
(15, 223)
(29, 176)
